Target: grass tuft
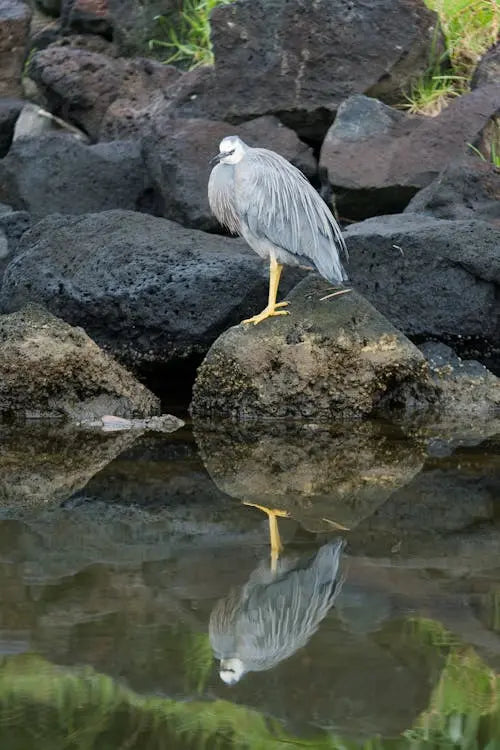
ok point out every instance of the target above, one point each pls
(189, 40)
(470, 28)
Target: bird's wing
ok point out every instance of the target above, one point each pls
(279, 204)
(221, 196)
(222, 628)
(281, 617)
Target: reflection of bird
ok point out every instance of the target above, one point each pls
(258, 194)
(274, 614)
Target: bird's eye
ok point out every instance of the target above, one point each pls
(229, 153)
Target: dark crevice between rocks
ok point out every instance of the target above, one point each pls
(172, 383)
(357, 205)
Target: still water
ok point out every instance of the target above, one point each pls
(130, 565)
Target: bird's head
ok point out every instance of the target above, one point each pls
(231, 150)
(231, 670)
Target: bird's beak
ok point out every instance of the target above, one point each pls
(216, 159)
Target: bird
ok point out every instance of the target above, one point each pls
(275, 613)
(259, 195)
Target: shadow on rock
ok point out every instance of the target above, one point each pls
(325, 477)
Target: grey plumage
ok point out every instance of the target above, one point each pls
(275, 613)
(258, 194)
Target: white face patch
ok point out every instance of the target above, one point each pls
(234, 148)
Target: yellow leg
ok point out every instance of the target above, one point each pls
(271, 310)
(274, 534)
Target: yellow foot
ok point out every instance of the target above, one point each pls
(274, 535)
(269, 511)
(267, 313)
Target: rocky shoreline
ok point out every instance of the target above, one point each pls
(104, 219)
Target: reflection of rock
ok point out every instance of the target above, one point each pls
(48, 464)
(329, 358)
(274, 614)
(340, 473)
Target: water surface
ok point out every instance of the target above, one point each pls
(115, 550)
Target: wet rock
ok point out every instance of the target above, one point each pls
(488, 69)
(466, 387)
(80, 85)
(285, 53)
(327, 478)
(15, 17)
(49, 369)
(467, 189)
(86, 16)
(433, 278)
(377, 158)
(178, 154)
(45, 465)
(9, 112)
(58, 173)
(328, 359)
(151, 291)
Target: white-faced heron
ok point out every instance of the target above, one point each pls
(275, 613)
(259, 195)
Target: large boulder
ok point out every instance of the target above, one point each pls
(433, 278)
(377, 158)
(301, 60)
(49, 369)
(329, 358)
(58, 173)
(178, 154)
(151, 291)
(80, 85)
(15, 18)
(466, 189)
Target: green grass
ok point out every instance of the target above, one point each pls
(188, 41)
(470, 28)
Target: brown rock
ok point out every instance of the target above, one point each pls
(48, 368)
(15, 17)
(80, 86)
(328, 359)
(86, 16)
(377, 158)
